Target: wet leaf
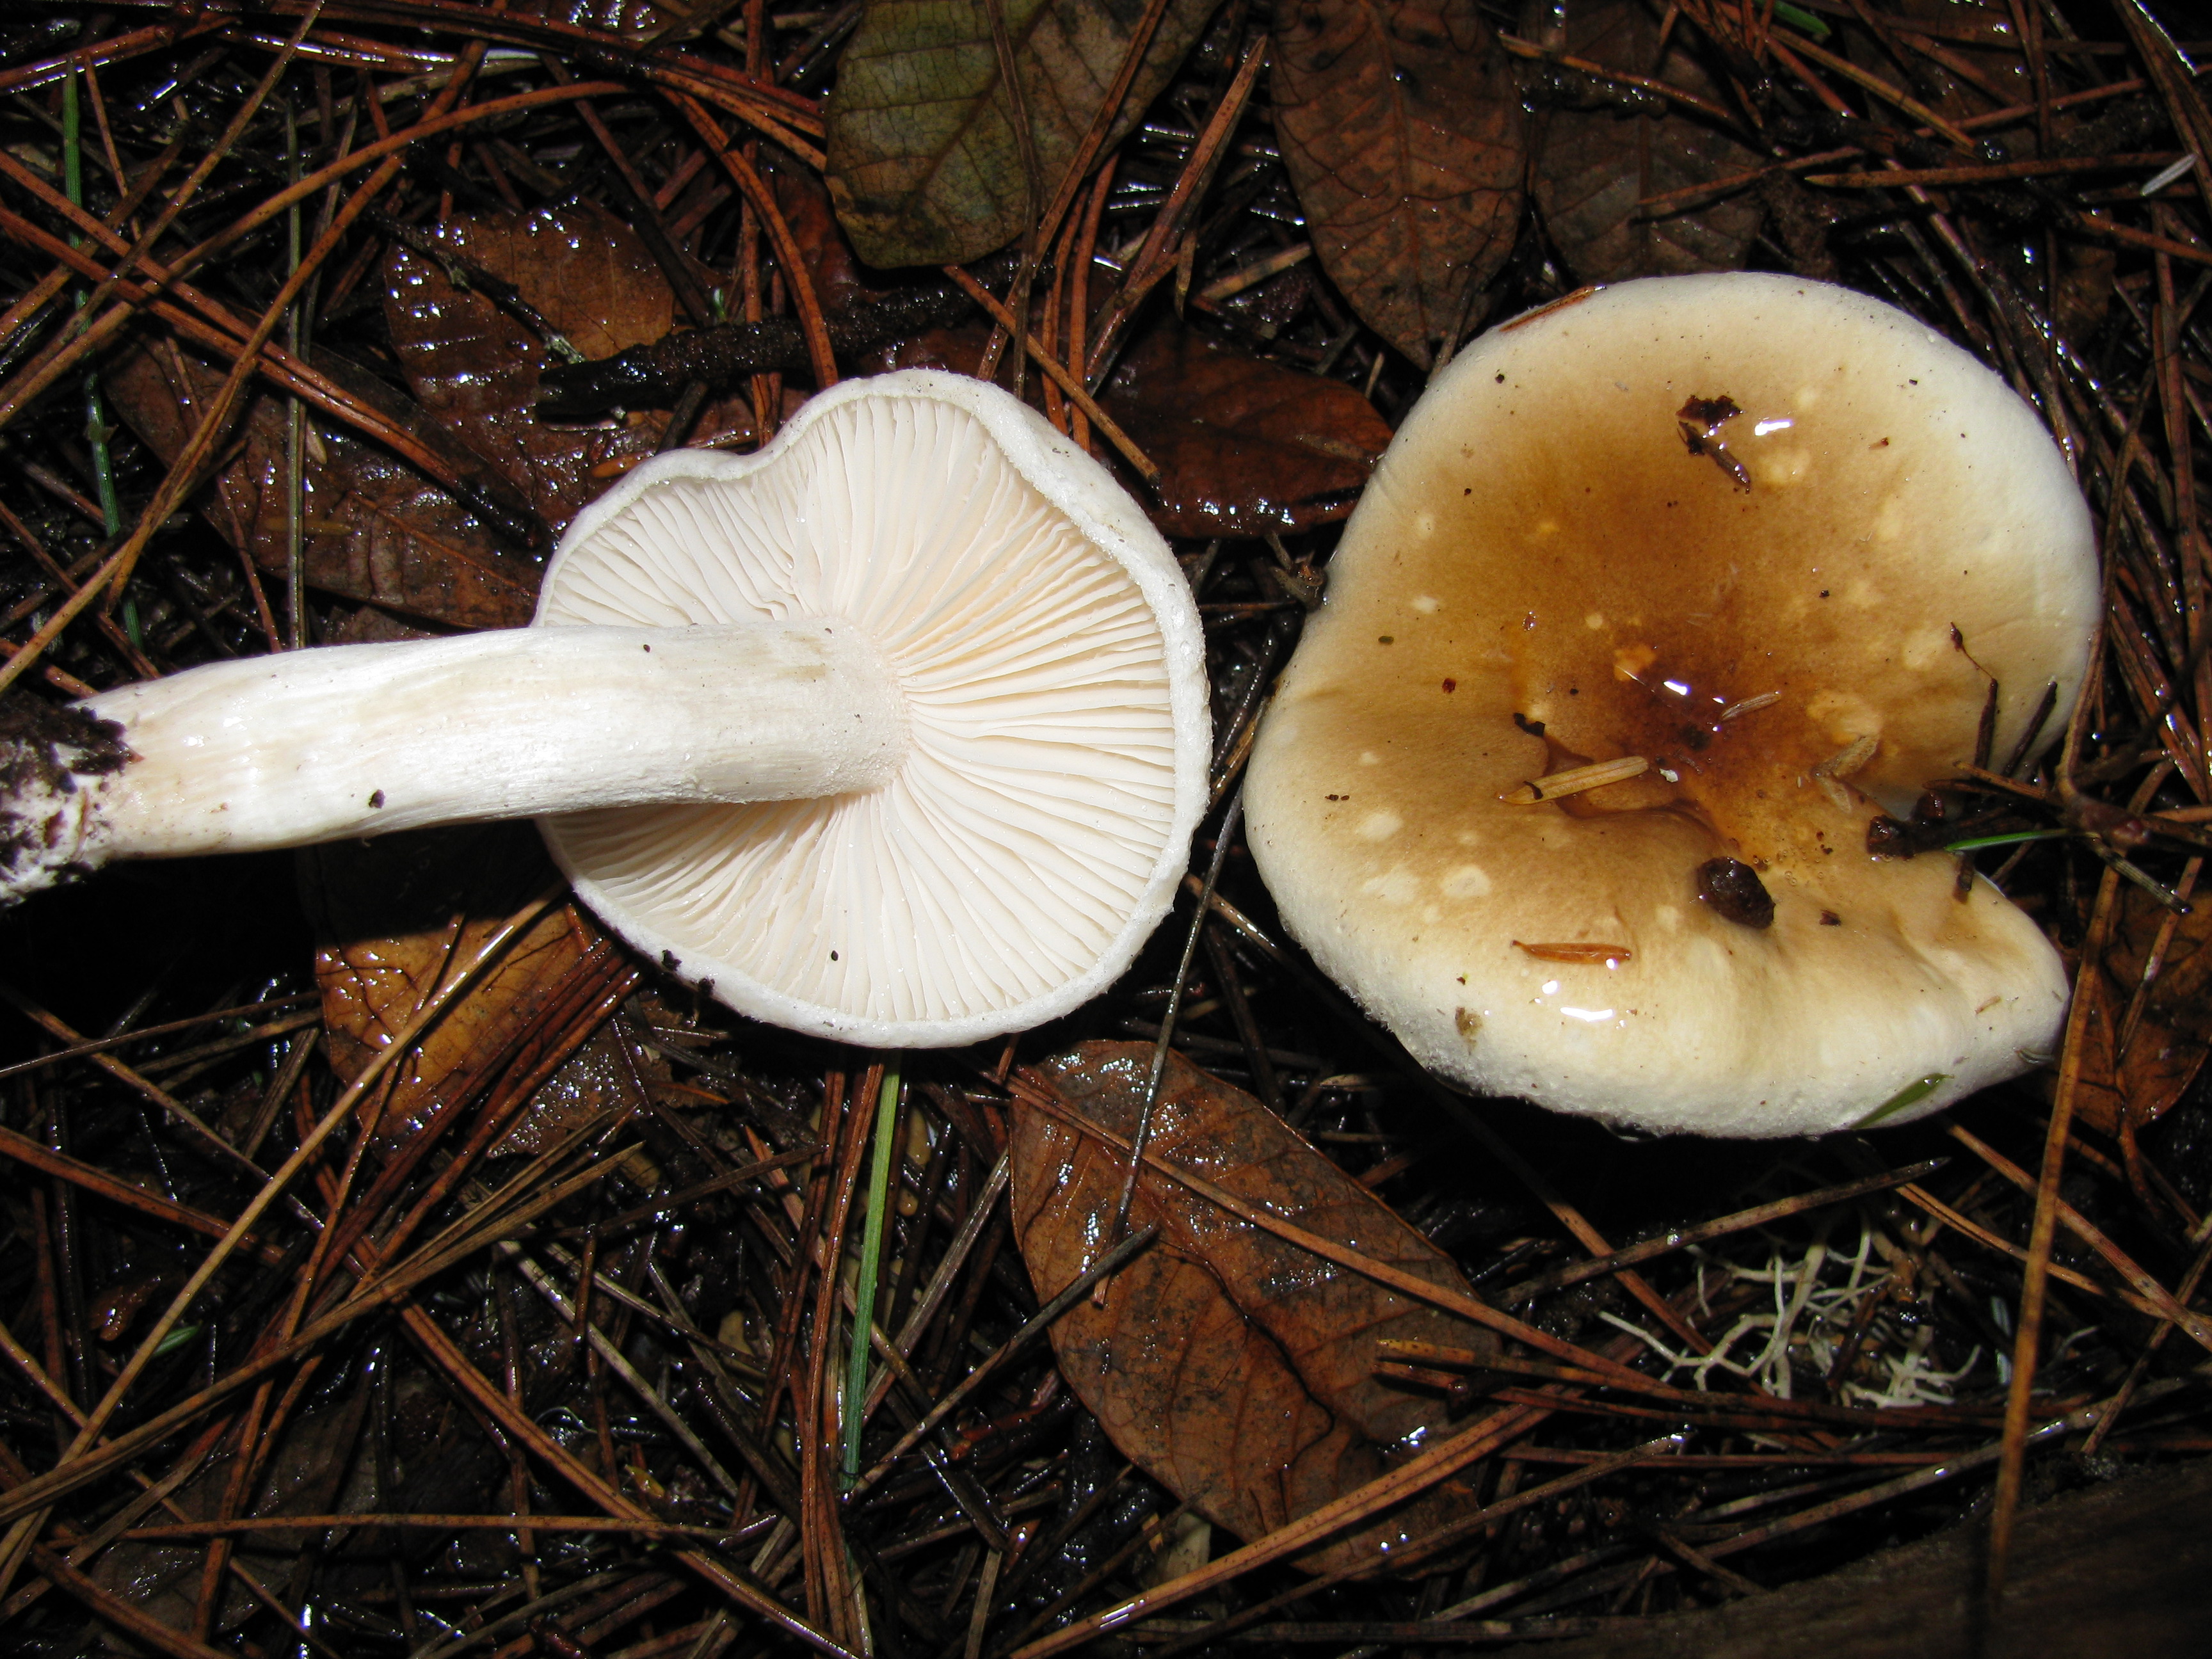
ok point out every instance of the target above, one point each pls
(442, 1461)
(849, 289)
(1243, 444)
(393, 917)
(802, 196)
(1995, 60)
(1235, 1368)
(2170, 1040)
(606, 1070)
(924, 163)
(476, 367)
(959, 350)
(302, 1474)
(1402, 131)
(374, 528)
(1593, 165)
(2084, 292)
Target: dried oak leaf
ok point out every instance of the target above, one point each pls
(2174, 1031)
(476, 368)
(374, 528)
(1593, 166)
(1235, 1368)
(925, 165)
(1403, 132)
(393, 917)
(1243, 444)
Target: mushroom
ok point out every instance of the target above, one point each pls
(895, 732)
(1660, 598)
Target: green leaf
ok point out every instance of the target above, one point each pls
(924, 166)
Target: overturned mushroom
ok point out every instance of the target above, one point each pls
(895, 732)
(1660, 597)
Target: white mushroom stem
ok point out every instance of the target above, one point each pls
(359, 740)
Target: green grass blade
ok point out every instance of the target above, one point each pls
(1911, 1095)
(872, 1256)
(1975, 843)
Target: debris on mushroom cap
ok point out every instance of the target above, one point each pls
(1051, 665)
(1550, 572)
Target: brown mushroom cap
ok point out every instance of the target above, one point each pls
(1774, 539)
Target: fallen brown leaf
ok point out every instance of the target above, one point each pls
(1998, 68)
(1243, 444)
(2174, 1033)
(302, 1474)
(1236, 1369)
(393, 917)
(476, 367)
(1401, 127)
(1593, 166)
(373, 528)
